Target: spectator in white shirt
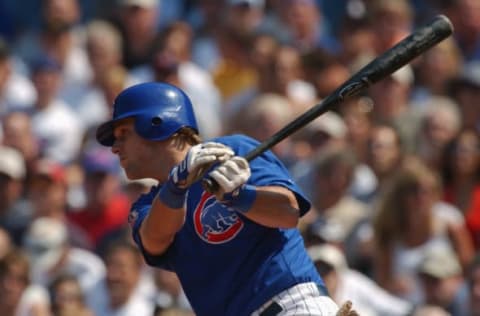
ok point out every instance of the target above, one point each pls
(46, 243)
(124, 269)
(16, 91)
(19, 296)
(58, 130)
(345, 284)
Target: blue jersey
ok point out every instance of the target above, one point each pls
(228, 264)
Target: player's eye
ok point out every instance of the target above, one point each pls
(120, 133)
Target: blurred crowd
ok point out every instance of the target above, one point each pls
(393, 174)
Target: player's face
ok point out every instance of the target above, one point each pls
(140, 158)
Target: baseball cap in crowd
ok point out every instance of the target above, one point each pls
(12, 163)
(404, 75)
(44, 241)
(45, 63)
(140, 3)
(328, 254)
(440, 263)
(330, 123)
(100, 160)
(50, 170)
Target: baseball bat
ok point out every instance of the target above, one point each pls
(419, 41)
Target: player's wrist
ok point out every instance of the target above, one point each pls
(241, 199)
(172, 195)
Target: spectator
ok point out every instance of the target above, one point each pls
(439, 125)
(344, 284)
(47, 244)
(205, 50)
(20, 297)
(124, 265)
(104, 51)
(58, 130)
(464, 15)
(384, 154)
(325, 71)
(61, 37)
(16, 91)
(48, 193)
(391, 21)
(461, 175)
(337, 212)
(15, 212)
(327, 131)
(445, 61)
(302, 25)
(138, 21)
(288, 78)
(391, 99)
(358, 41)
(234, 72)
(107, 206)
(356, 113)
(18, 133)
(265, 115)
(442, 281)
(279, 72)
(465, 89)
(408, 224)
(67, 298)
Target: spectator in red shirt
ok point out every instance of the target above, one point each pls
(106, 208)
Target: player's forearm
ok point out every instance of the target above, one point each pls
(274, 207)
(160, 226)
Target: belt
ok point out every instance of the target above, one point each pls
(272, 310)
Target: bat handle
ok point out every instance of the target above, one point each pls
(210, 185)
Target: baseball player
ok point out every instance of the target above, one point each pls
(237, 251)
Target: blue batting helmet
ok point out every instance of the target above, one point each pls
(159, 110)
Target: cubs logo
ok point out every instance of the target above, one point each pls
(214, 222)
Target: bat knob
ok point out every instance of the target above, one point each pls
(210, 185)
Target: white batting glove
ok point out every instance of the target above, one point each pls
(231, 177)
(199, 158)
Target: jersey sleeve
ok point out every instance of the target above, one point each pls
(138, 212)
(267, 169)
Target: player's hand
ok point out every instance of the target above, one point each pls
(198, 159)
(230, 175)
(347, 310)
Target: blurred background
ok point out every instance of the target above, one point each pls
(393, 174)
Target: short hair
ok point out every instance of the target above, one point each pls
(105, 32)
(15, 258)
(119, 245)
(446, 105)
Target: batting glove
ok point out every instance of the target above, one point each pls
(197, 161)
(199, 158)
(233, 191)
